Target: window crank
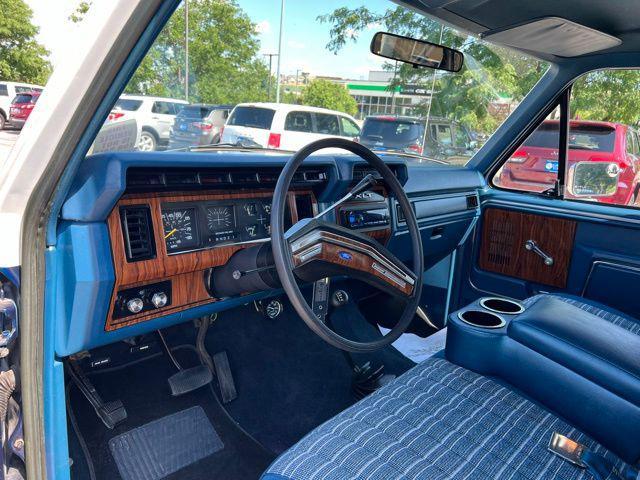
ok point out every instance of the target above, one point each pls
(532, 246)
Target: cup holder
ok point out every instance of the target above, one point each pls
(481, 319)
(502, 305)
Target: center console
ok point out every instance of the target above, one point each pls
(577, 364)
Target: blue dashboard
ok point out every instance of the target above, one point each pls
(91, 268)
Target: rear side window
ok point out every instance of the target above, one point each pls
(4, 91)
(23, 98)
(163, 108)
(298, 122)
(442, 134)
(128, 104)
(327, 124)
(253, 117)
(349, 127)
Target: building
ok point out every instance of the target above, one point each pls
(375, 96)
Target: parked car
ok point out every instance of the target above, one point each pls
(8, 92)
(446, 140)
(612, 147)
(198, 124)
(21, 107)
(155, 115)
(284, 126)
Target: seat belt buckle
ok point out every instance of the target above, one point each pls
(568, 449)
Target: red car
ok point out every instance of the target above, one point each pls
(602, 164)
(21, 107)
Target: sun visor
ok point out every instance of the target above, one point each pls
(553, 35)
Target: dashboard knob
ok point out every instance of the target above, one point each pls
(135, 305)
(159, 299)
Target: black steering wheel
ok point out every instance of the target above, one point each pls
(314, 249)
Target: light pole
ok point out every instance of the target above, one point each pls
(270, 55)
(279, 51)
(186, 50)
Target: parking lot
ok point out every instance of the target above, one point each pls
(7, 139)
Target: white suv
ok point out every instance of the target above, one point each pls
(285, 127)
(154, 115)
(8, 91)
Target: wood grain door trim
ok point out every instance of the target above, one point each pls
(502, 250)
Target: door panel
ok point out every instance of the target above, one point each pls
(505, 234)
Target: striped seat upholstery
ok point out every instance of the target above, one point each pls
(438, 421)
(606, 313)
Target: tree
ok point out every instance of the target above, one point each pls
(326, 94)
(464, 96)
(81, 10)
(608, 95)
(22, 58)
(223, 57)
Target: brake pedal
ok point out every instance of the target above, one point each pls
(225, 377)
(190, 379)
(110, 413)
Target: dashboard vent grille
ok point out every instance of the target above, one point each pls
(138, 235)
(361, 171)
(143, 179)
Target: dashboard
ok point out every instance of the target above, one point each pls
(137, 233)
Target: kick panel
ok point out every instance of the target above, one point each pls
(531, 247)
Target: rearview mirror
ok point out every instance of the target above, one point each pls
(594, 179)
(416, 52)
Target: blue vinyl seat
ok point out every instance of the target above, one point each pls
(437, 421)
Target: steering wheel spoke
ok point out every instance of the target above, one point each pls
(320, 248)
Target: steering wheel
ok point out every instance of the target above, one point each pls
(314, 249)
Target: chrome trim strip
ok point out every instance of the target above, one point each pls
(388, 274)
(315, 237)
(502, 321)
(248, 242)
(484, 300)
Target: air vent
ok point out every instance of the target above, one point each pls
(137, 232)
(181, 179)
(361, 171)
(472, 202)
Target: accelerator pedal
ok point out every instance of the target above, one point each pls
(225, 377)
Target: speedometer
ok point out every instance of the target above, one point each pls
(180, 229)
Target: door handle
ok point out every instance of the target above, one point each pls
(532, 246)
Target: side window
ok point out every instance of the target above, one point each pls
(533, 167)
(4, 91)
(461, 137)
(603, 112)
(327, 124)
(22, 89)
(442, 134)
(298, 122)
(176, 108)
(162, 108)
(349, 127)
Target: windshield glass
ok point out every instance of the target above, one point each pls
(235, 58)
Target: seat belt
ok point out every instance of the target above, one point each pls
(598, 466)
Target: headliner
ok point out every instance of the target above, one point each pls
(619, 18)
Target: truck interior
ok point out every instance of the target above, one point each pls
(241, 312)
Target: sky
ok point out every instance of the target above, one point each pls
(304, 37)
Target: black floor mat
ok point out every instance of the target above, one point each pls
(289, 381)
(145, 393)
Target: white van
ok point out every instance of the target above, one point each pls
(284, 126)
(8, 91)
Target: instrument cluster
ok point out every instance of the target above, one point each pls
(191, 226)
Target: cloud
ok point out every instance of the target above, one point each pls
(295, 44)
(263, 27)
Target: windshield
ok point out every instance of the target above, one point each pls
(272, 89)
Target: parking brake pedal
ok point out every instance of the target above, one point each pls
(111, 413)
(186, 379)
